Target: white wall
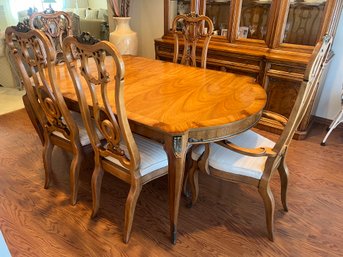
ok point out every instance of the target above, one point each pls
(3, 18)
(330, 98)
(147, 21)
(96, 4)
(81, 3)
(8, 19)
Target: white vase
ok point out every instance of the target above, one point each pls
(123, 37)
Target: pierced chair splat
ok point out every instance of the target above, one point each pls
(130, 157)
(196, 32)
(55, 25)
(35, 60)
(251, 158)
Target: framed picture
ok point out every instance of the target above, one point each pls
(243, 32)
(223, 32)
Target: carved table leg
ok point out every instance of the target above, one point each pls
(176, 150)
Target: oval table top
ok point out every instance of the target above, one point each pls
(177, 99)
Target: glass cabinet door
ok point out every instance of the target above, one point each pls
(218, 11)
(254, 19)
(304, 21)
(183, 6)
(267, 23)
(177, 7)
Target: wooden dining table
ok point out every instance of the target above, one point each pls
(179, 105)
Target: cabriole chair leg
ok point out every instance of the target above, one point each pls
(269, 206)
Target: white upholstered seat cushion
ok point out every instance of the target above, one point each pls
(229, 161)
(84, 139)
(153, 156)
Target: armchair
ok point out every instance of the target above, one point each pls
(250, 157)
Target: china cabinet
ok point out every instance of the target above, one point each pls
(271, 40)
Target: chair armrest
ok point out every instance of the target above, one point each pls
(254, 152)
(275, 116)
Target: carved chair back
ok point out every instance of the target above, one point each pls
(105, 88)
(35, 61)
(196, 32)
(56, 26)
(306, 93)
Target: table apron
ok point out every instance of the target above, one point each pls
(217, 133)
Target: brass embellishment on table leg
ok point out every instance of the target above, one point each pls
(177, 145)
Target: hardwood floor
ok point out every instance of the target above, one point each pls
(228, 219)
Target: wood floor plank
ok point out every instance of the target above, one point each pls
(228, 219)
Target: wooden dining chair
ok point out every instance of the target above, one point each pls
(56, 26)
(196, 32)
(35, 61)
(130, 157)
(250, 157)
